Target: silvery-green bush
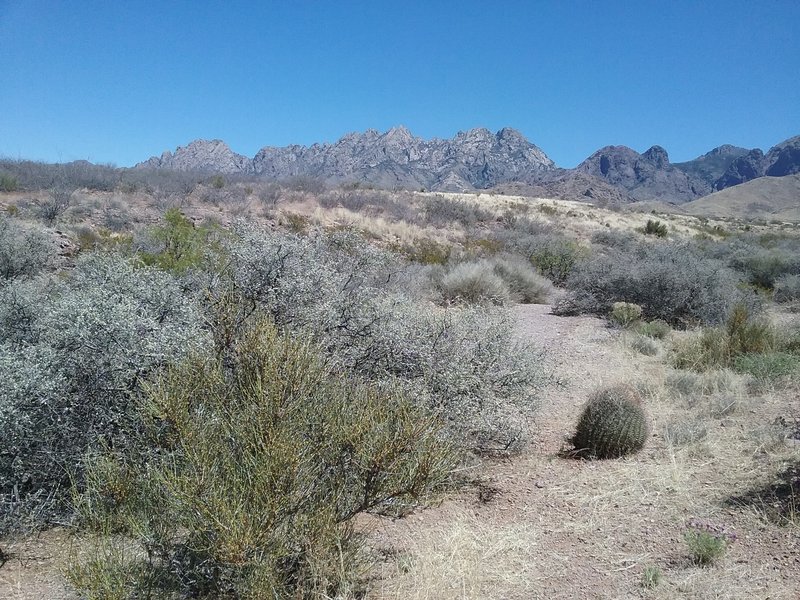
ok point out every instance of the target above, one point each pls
(670, 281)
(24, 250)
(69, 376)
(351, 298)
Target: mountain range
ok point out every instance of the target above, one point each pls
(480, 159)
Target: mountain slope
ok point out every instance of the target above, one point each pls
(713, 164)
(762, 198)
(648, 176)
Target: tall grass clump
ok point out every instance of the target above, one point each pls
(719, 347)
(473, 283)
(524, 283)
(256, 465)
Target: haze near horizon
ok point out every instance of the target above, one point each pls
(114, 82)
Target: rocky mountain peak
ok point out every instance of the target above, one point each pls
(658, 156)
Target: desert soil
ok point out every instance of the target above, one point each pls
(543, 526)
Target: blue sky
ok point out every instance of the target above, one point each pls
(114, 81)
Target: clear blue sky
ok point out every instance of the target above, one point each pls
(118, 81)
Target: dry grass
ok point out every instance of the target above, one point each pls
(462, 558)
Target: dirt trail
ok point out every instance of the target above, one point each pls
(541, 526)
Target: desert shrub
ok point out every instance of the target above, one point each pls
(523, 283)
(657, 329)
(654, 227)
(644, 345)
(707, 542)
(612, 424)
(651, 577)
(613, 238)
(625, 314)
(670, 281)
(767, 367)
(55, 204)
(718, 347)
(764, 267)
(8, 183)
(787, 288)
(556, 258)
(352, 298)
(69, 374)
(441, 211)
(219, 512)
(473, 283)
(24, 251)
(554, 255)
(681, 433)
(715, 382)
(177, 245)
(426, 251)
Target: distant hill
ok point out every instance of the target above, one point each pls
(475, 159)
(711, 166)
(762, 198)
(782, 159)
(479, 159)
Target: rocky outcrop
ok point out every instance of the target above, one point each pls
(747, 167)
(784, 159)
(201, 155)
(648, 176)
(713, 164)
(781, 160)
(475, 159)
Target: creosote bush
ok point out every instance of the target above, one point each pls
(654, 227)
(613, 424)
(255, 466)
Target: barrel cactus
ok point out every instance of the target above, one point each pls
(613, 424)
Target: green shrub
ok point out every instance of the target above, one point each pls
(651, 577)
(656, 228)
(473, 283)
(718, 347)
(612, 424)
(657, 329)
(263, 458)
(218, 182)
(767, 367)
(8, 183)
(707, 542)
(176, 246)
(426, 251)
(625, 314)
